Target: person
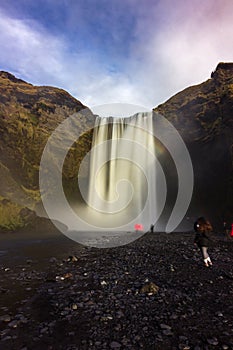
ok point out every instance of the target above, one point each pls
(227, 230)
(202, 239)
(224, 227)
(152, 228)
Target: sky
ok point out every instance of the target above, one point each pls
(116, 51)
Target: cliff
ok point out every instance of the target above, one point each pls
(28, 116)
(203, 114)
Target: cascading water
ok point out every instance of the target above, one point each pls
(122, 178)
(126, 186)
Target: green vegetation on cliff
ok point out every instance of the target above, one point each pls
(28, 116)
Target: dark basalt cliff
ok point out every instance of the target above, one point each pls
(203, 114)
(28, 116)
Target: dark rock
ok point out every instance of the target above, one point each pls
(72, 258)
(150, 288)
(213, 341)
(5, 318)
(115, 345)
(13, 324)
(165, 326)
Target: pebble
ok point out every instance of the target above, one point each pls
(183, 338)
(72, 258)
(219, 314)
(165, 326)
(44, 330)
(213, 341)
(8, 337)
(167, 332)
(115, 345)
(13, 324)
(5, 318)
(103, 283)
(150, 288)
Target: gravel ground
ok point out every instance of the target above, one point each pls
(154, 293)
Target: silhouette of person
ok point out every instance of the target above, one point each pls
(202, 239)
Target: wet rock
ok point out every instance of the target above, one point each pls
(66, 276)
(72, 258)
(149, 288)
(166, 329)
(13, 324)
(167, 332)
(115, 345)
(8, 337)
(98, 343)
(165, 326)
(5, 318)
(219, 314)
(103, 283)
(172, 268)
(213, 341)
(106, 318)
(74, 306)
(183, 338)
(184, 347)
(44, 330)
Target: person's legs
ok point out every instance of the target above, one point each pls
(205, 256)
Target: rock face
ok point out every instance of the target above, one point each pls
(203, 114)
(28, 116)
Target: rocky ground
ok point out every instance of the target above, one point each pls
(151, 294)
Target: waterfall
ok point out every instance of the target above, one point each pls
(122, 174)
(126, 187)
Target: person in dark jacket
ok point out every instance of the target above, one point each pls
(202, 228)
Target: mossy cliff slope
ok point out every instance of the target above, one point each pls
(203, 114)
(28, 116)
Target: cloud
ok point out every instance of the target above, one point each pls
(29, 51)
(192, 40)
(139, 52)
(34, 54)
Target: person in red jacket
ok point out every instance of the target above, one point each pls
(202, 239)
(231, 230)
